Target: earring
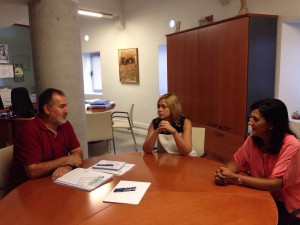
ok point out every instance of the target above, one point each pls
(271, 128)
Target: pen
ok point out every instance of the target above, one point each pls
(105, 164)
(125, 189)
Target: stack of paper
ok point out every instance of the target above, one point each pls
(86, 179)
(112, 167)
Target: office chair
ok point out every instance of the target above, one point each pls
(99, 127)
(123, 120)
(1, 104)
(6, 157)
(198, 137)
(21, 103)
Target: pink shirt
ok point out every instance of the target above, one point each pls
(286, 164)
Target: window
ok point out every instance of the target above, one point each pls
(162, 69)
(92, 73)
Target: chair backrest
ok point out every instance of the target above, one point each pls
(1, 103)
(198, 137)
(99, 126)
(6, 157)
(21, 103)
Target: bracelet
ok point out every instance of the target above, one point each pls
(240, 180)
(174, 132)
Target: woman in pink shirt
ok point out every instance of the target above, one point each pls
(271, 157)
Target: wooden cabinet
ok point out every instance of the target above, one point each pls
(218, 71)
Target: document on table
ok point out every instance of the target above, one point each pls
(85, 179)
(129, 192)
(109, 165)
(120, 172)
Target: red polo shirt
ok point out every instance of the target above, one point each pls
(35, 143)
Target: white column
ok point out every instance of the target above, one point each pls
(56, 49)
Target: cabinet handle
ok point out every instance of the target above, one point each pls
(218, 134)
(224, 127)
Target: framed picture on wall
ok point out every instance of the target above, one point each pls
(128, 65)
(4, 53)
(18, 72)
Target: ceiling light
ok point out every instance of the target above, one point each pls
(95, 14)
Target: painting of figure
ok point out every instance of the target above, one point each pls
(128, 65)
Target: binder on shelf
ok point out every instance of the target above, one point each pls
(85, 179)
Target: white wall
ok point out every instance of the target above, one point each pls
(146, 24)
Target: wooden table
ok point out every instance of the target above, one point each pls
(182, 191)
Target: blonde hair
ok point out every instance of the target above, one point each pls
(173, 104)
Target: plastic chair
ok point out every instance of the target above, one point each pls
(99, 127)
(123, 120)
(198, 137)
(6, 158)
(21, 103)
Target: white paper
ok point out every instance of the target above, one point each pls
(120, 172)
(128, 197)
(6, 71)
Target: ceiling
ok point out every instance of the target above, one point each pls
(16, 11)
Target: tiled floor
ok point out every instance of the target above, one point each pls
(123, 143)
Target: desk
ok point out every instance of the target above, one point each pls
(9, 128)
(182, 191)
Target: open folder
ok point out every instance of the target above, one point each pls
(85, 179)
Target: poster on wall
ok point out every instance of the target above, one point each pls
(18, 71)
(6, 71)
(4, 53)
(128, 65)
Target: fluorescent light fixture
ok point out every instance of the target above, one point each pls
(95, 14)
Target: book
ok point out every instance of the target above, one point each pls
(85, 179)
(99, 106)
(108, 165)
(100, 102)
(119, 172)
(128, 192)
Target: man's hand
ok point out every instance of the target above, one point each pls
(60, 171)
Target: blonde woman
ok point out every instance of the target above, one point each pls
(171, 130)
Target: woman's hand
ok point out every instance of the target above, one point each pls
(165, 126)
(224, 176)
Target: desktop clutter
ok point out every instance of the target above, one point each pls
(128, 192)
(98, 104)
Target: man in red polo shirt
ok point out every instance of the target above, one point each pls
(46, 145)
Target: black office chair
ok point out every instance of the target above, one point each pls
(1, 103)
(21, 103)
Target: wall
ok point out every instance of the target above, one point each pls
(145, 28)
(19, 48)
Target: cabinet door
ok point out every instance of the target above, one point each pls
(221, 145)
(182, 61)
(208, 50)
(233, 57)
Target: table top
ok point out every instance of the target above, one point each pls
(182, 191)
